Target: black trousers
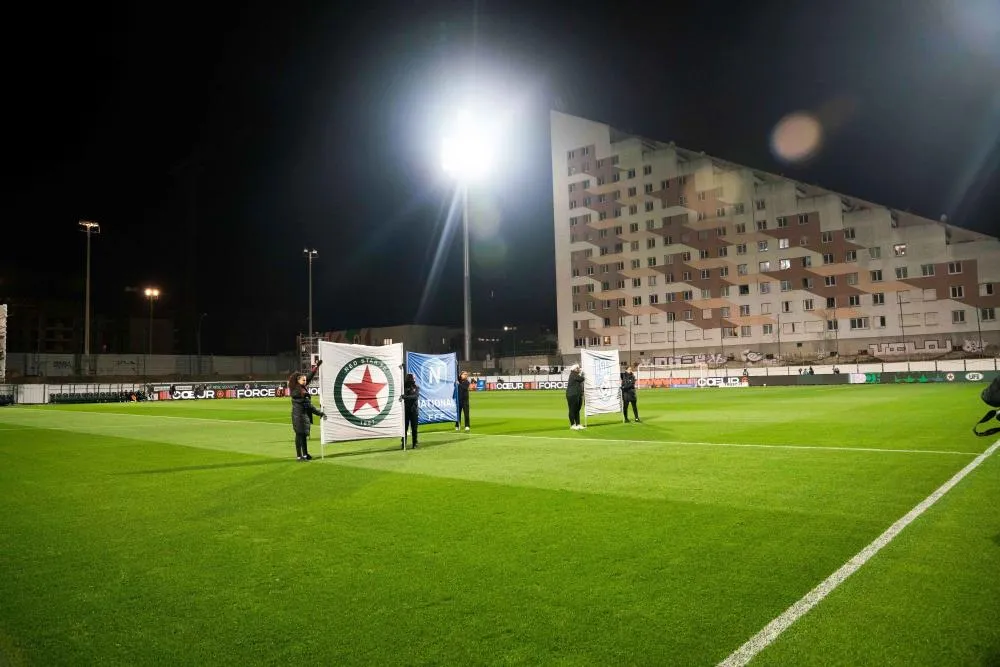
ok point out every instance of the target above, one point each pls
(301, 444)
(463, 409)
(575, 403)
(628, 398)
(411, 419)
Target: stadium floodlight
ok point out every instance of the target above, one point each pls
(152, 293)
(88, 227)
(467, 156)
(310, 254)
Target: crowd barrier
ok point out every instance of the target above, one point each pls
(960, 371)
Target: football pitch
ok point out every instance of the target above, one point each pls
(186, 533)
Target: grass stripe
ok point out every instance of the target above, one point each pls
(745, 653)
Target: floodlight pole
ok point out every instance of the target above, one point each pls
(310, 254)
(466, 272)
(88, 227)
(902, 328)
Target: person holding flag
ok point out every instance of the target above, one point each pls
(574, 396)
(303, 410)
(628, 394)
(410, 398)
(462, 399)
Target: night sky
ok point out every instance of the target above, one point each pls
(213, 145)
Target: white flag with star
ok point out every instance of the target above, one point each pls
(360, 388)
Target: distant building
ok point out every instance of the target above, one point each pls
(415, 337)
(667, 251)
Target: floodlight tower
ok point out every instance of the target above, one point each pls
(89, 228)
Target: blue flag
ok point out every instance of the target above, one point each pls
(435, 375)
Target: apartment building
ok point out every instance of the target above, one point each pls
(668, 252)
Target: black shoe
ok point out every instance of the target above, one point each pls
(413, 446)
(307, 458)
(637, 420)
(626, 421)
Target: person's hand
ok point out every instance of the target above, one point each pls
(319, 362)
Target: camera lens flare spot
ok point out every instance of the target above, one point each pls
(797, 137)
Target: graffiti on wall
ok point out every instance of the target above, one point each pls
(973, 346)
(690, 360)
(909, 347)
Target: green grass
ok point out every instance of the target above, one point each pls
(185, 533)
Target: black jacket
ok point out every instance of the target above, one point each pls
(628, 383)
(462, 391)
(574, 385)
(302, 407)
(411, 394)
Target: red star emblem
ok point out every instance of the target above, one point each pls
(365, 392)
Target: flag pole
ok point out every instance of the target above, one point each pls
(403, 401)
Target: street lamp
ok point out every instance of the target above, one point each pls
(152, 294)
(200, 318)
(310, 254)
(89, 228)
(513, 337)
(466, 156)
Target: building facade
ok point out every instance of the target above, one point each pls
(667, 252)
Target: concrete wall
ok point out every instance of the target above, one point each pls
(26, 366)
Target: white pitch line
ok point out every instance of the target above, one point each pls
(773, 630)
(695, 443)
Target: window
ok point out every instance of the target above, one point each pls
(807, 262)
(830, 281)
(987, 314)
(954, 267)
(688, 315)
(833, 325)
(804, 241)
(723, 251)
(724, 272)
(831, 302)
(782, 243)
(899, 250)
(875, 253)
(786, 306)
(761, 246)
(704, 274)
(744, 310)
(632, 192)
(703, 235)
(685, 256)
(852, 278)
(926, 270)
(786, 285)
(651, 281)
(741, 228)
(706, 294)
(686, 276)
(635, 264)
(729, 332)
(633, 209)
(590, 288)
(761, 225)
(741, 249)
(741, 269)
(859, 323)
(650, 244)
(647, 169)
(650, 261)
(590, 270)
(664, 185)
(957, 292)
(876, 275)
(986, 289)
(828, 258)
(901, 273)
(671, 317)
(631, 173)
(854, 300)
(760, 204)
(784, 264)
(782, 222)
(605, 286)
(764, 266)
(671, 297)
(637, 282)
(633, 246)
(745, 330)
(878, 299)
(849, 233)
(958, 317)
(701, 196)
(764, 288)
(682, 200)
(807, 283)
(720, 212)
(803, 218)
(648, 207)
(744, 290)
(826, 237)
(767, 329)
(650, 225)
(720, 231)
(851, 256)
(724, 311)
(648, 188)
(880, 321)
(637, 301)
(807, 304)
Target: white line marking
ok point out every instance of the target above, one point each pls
(773, 630)
(690, 443)
(695, 443)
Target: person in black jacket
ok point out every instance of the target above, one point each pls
(410, 398)
(462, 399)
(628, 394)
(303, 410)
(574, 396)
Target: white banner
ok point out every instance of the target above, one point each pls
(360, 387)
(602, 381)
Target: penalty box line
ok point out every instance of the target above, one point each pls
(696, 443)
(745, 653)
